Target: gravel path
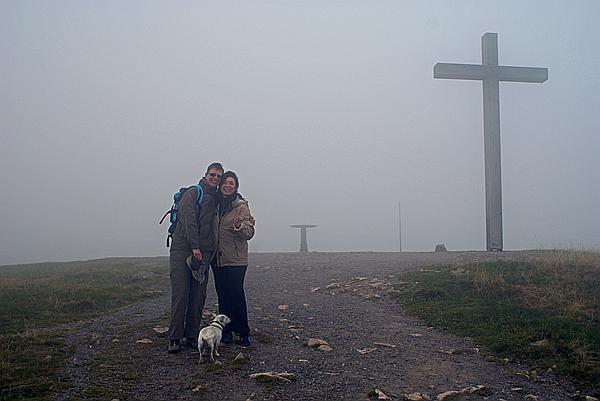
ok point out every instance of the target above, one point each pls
(288, 302)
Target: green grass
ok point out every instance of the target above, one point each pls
(507, 305)
(28, 366)
(34, 298)
(40, 295)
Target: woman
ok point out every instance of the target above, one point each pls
(236, 227)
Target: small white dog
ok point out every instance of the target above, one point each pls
(210, 336)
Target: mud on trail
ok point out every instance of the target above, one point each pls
(342, 298)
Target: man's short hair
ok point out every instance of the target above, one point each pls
(216, 166)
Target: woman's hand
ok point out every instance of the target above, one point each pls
(237, 220)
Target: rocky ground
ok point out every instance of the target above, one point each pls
(341, 298)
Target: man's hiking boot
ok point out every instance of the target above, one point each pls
(174, 346)
(244, 341)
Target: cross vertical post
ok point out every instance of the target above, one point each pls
(491, 145)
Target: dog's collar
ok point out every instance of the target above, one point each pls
(220, 325)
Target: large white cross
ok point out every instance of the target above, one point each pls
(491, 74)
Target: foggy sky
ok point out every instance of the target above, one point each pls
(328, 112)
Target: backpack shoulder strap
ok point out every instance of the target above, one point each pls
(199, 194)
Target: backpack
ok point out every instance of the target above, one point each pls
(175, 207)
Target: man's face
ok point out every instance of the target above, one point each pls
(213, 177)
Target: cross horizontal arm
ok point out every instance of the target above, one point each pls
(481, 72)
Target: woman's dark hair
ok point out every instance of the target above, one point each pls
(233, 175)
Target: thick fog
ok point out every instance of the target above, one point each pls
(328, 111)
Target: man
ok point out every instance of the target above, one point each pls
(195, 235)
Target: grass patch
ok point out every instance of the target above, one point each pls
(210, 367)
(542, 310)
(240, 363)
(119, 367)
(27, 365)
(45, 294)
(34, 298)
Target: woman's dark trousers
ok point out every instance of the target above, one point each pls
(229, 282)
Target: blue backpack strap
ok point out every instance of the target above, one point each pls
(199, 194)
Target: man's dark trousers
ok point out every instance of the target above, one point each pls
(187, 297)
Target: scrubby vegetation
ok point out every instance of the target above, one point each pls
(543, 310)
(34, 298)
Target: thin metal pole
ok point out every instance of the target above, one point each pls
(400, 226)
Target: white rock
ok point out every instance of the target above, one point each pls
(448, 394)
(385, 344)
(479, 389)
(316, 342)
(381, 395)
(365, 350)
(283, 376)
(416, 397)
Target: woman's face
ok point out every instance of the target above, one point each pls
(228, 186)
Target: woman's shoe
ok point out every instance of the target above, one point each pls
(189, 342)
(227, 337)
(245, 341)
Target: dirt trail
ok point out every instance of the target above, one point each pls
(109, 363)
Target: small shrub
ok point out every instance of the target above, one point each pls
(210, 367)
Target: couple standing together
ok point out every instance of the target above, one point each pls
(215, 233)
